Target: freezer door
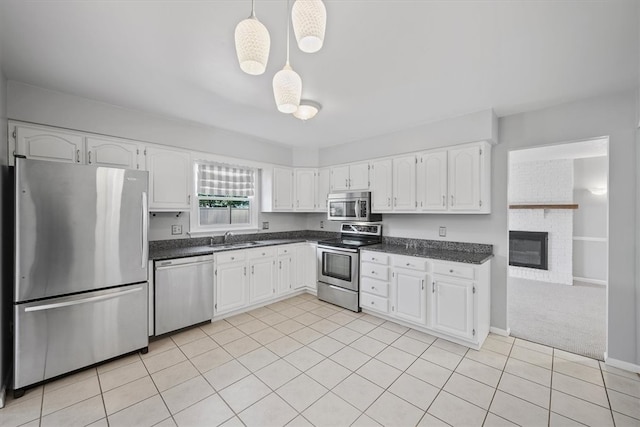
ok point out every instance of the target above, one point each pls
(78, 228)
(59, 335)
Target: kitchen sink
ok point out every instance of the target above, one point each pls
(235, 245)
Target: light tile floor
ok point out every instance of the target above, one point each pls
(302, 362)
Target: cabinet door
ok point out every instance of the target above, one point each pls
(261, 285)
(381, 185)
(301, 264)
(230, 284)
(286, 274)
(170, 179)
(404, 183)
(311, 265)
(464, 179)
(410, 296)
(283, 188)
(44, 144)
(432, 181)
(340, 178)
(359, 176)
(452, 307)
(323, 189)
(305, 188)
(114, 153)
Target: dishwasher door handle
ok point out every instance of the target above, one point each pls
(172, 266)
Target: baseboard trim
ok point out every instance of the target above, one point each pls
(498, 331)
(592, 281)
(621, 364)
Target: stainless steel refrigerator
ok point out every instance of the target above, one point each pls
(81, 250)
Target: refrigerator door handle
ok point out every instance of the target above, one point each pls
(80, 301)
(145, 225)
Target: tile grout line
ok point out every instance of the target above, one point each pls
(495, 391)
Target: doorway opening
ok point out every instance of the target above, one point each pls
(558, 248)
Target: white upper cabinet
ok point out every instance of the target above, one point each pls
(305, 190)
(170, 179)
(116, 153)
(464, 185)
(353, 177)
(381, 185)
(277, 189)
(432, 181)
(323, 188)
(41, 143)
(404, 183)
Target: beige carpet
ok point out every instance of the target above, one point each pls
(571, 318)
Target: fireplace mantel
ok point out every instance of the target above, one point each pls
(545, 206)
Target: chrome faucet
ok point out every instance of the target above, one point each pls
(227, 234)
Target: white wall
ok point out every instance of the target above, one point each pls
(544, 181)
(34, 104)
(615, 116)
(590, 220)
(481, 125)
(5, 245)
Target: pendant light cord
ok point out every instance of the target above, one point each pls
(253, 9)
(287, 32)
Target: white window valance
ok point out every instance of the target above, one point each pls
(216, 179)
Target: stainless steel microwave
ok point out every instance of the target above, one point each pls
(351, 207)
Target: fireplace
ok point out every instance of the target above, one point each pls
(528, 249)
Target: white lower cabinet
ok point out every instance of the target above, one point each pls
(246, 278)
(447, 299)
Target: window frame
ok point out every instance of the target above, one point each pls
(254, 203)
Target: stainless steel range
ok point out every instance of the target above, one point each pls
(339, 263)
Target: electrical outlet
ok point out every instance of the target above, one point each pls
(321, 224)
(176, 229)
(265, 225)
(443, 231)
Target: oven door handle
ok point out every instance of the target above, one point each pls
(334, 249)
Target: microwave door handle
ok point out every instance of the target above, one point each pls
(358, 208)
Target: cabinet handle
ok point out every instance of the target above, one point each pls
(78, 156)
(252, 267)
(232, 258)
(372, 303)
(245, 271)
(373, 272)
(422, 284)
(280, 267)
(452, 200)
(389, 201)
(433, 287)
(89, 157)
(444, 200)
(450, 271)
(346, 182)
(395, 201)
(373, 288)
(408, 264)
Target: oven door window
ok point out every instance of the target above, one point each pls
(343, 209)
(337, 266)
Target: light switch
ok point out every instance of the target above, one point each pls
(443, 231)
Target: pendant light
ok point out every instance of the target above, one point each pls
(252, 44)
(309, 23)
(287, 84)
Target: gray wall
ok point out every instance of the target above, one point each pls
(5, 240)
(34, 104)
(615, 116)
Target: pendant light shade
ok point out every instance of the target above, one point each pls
(252, 45)
(287, 89)
(309, 23)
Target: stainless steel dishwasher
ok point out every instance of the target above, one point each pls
(183, 292)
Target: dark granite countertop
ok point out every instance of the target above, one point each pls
(180, 248)
(467, 257)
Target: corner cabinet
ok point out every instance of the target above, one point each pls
(447, 299)
(170, 179)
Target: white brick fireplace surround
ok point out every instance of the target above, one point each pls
(544, 182)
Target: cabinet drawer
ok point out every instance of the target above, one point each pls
(456, 270)
(231, 256)
(376, 287)
(285, 250)
(261, 253)
(410, 262)
(379, 272)
(374, 302)
(376, 257)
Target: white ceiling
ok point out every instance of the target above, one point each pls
(385, 65)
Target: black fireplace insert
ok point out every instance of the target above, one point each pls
(528, 249)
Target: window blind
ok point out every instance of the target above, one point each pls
(224, 180)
